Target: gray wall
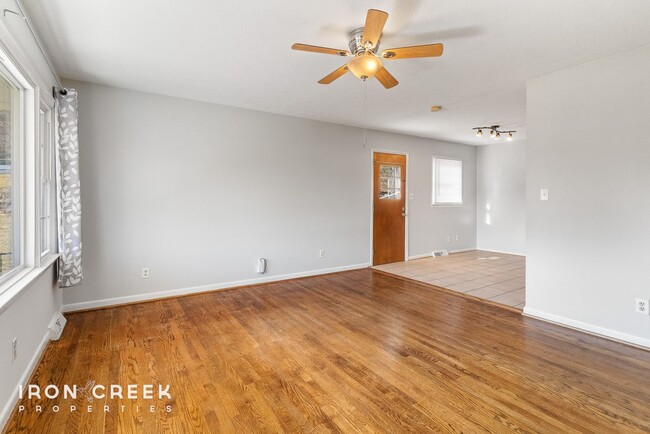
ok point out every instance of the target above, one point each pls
(27, 318)
(588, 246)
(197, 191)
(501, 206)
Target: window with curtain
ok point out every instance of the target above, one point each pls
(447, 182)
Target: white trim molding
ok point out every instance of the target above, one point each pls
(27, 373)
(116, 301)
(588, 328)
(503, 252)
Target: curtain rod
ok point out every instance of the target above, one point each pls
(22, 15)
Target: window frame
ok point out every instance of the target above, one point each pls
(434, 182)
(45, 150)
(32, 265)
(18, 171)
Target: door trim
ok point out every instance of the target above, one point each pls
(374, 151)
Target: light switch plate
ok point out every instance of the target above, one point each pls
(543, 194)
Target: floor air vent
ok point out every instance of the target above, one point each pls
(440, 253)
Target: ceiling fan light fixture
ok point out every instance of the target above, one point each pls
(365, 65)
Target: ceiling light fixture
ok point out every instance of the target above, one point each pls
(365, 65)
(495, 132)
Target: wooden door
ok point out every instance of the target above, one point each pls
(389, 208)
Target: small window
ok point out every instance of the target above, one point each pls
(390, 182)
(447, 182)
(45, 145)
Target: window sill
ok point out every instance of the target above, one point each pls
(446, 205)
(11, 290)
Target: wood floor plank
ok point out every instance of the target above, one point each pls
(358, 351)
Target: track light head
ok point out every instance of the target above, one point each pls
(493, 133)
(498, 136)
(509, 138)
(479, 133)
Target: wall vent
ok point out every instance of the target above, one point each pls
(440, 253)
(57, 326)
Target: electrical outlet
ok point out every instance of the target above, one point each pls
(14, 349)
(321, 254)
(641, 306)
(145, 273)
(543, 194)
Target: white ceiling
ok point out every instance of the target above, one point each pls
(238, 53)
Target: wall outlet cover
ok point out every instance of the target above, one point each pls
(641, 306)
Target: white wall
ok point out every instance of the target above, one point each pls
(588, 246)
(197, 191)
(501, 197)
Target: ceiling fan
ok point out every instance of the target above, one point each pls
(365, 62)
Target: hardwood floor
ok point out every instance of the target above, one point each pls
(358, 351)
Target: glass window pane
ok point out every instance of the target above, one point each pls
(9, 136)
(390, 182)
(447, 181)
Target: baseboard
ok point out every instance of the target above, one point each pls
(625, 338)
(471, 249)
(428, 255)
(503, 252)
(29, 370)
(203, 288)
(425, 255)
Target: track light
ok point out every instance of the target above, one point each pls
(495, 132)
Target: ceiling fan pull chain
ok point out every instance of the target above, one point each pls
(365, 113)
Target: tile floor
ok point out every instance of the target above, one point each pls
(493, 276)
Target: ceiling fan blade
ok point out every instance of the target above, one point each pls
(430, 50)
(334, 75)
(375, 21)
(386, 78)
(323, 50)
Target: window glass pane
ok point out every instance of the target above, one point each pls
(9, 206)
(447, 181)
(390, 182)
(46, 162)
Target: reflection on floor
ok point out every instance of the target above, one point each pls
(493, 276)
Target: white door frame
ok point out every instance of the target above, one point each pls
(374, 151)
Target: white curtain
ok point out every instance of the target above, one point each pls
(69, 190)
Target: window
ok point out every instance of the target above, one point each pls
(45, 208)
(447, 182)
(390, 182)
(10, 175)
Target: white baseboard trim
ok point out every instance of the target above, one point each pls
(428, 255)
(27, 373)
(203, 288)
(588, 328)
(425, 255)
(471, 249)
(503, 252)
